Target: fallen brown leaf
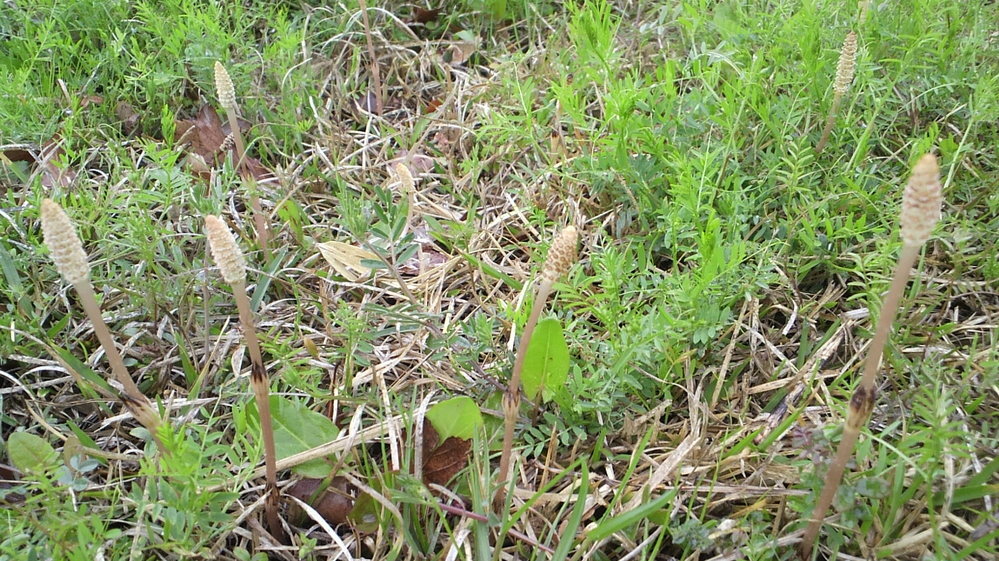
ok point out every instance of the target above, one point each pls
(54, 172)
(204, 133)
(21, 153)
(128, 116)
(442, 460)
(423, 15)
(334, 504)
(257, 170)
(209, 138)
(417, 162)
(87, 100)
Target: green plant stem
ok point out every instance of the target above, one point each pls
(511, 399)
(261, 391)
(862, 401)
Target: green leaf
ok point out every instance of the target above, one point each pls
(629, 518)
(70, 362)
(85, 439)
(458, 416)
(567, 539)
(30, 453)
(546, 364)
(297, 429)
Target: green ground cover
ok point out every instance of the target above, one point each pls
(728, 276)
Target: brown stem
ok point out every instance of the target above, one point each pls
(259, 220)
(830, 121)
(376, 82)
(863, 398)
(480, 518)
(511, 399)
(137, 403)
(261, 392)
(237, 136)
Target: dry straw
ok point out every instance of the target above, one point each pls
(70, 260)
(561, 256)
(232, 265)
(920, 213)
(844, 77)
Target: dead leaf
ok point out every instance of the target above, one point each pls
(21, 153)
(90, 100)
(442, 460)
(197, 166)
(447, 136)
(431, 106)
(335, 502)
(55, 173)
(417, 162)
(459, 53)
(346, 259)
(423, 15)
(417, 264)
(367, 102)
(128, 116)
(8, 476)
(204, 133)
(257, 170)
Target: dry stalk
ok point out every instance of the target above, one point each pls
(71, 261)
(227, 99)
(376, 82)
(921, 203)
(561, 256)
(844, 76)
(232, 265)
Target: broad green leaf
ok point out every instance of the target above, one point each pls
(546, 364)
(297, 429)
(458, 416)
(30, 453)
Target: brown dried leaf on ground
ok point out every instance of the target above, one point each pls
(208, 138)
(204, 133)
(417, 162)
(257, 170)
(128, 116)
(47, 161)
(336, 501)
(424, 15)
(88, 100)
(429, 257)
(442, 460)
(18, 153)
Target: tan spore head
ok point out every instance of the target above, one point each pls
(224, 87)
(561, 254)
(847, 64)
(921, 201)
(225, 251)
(63, 243)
